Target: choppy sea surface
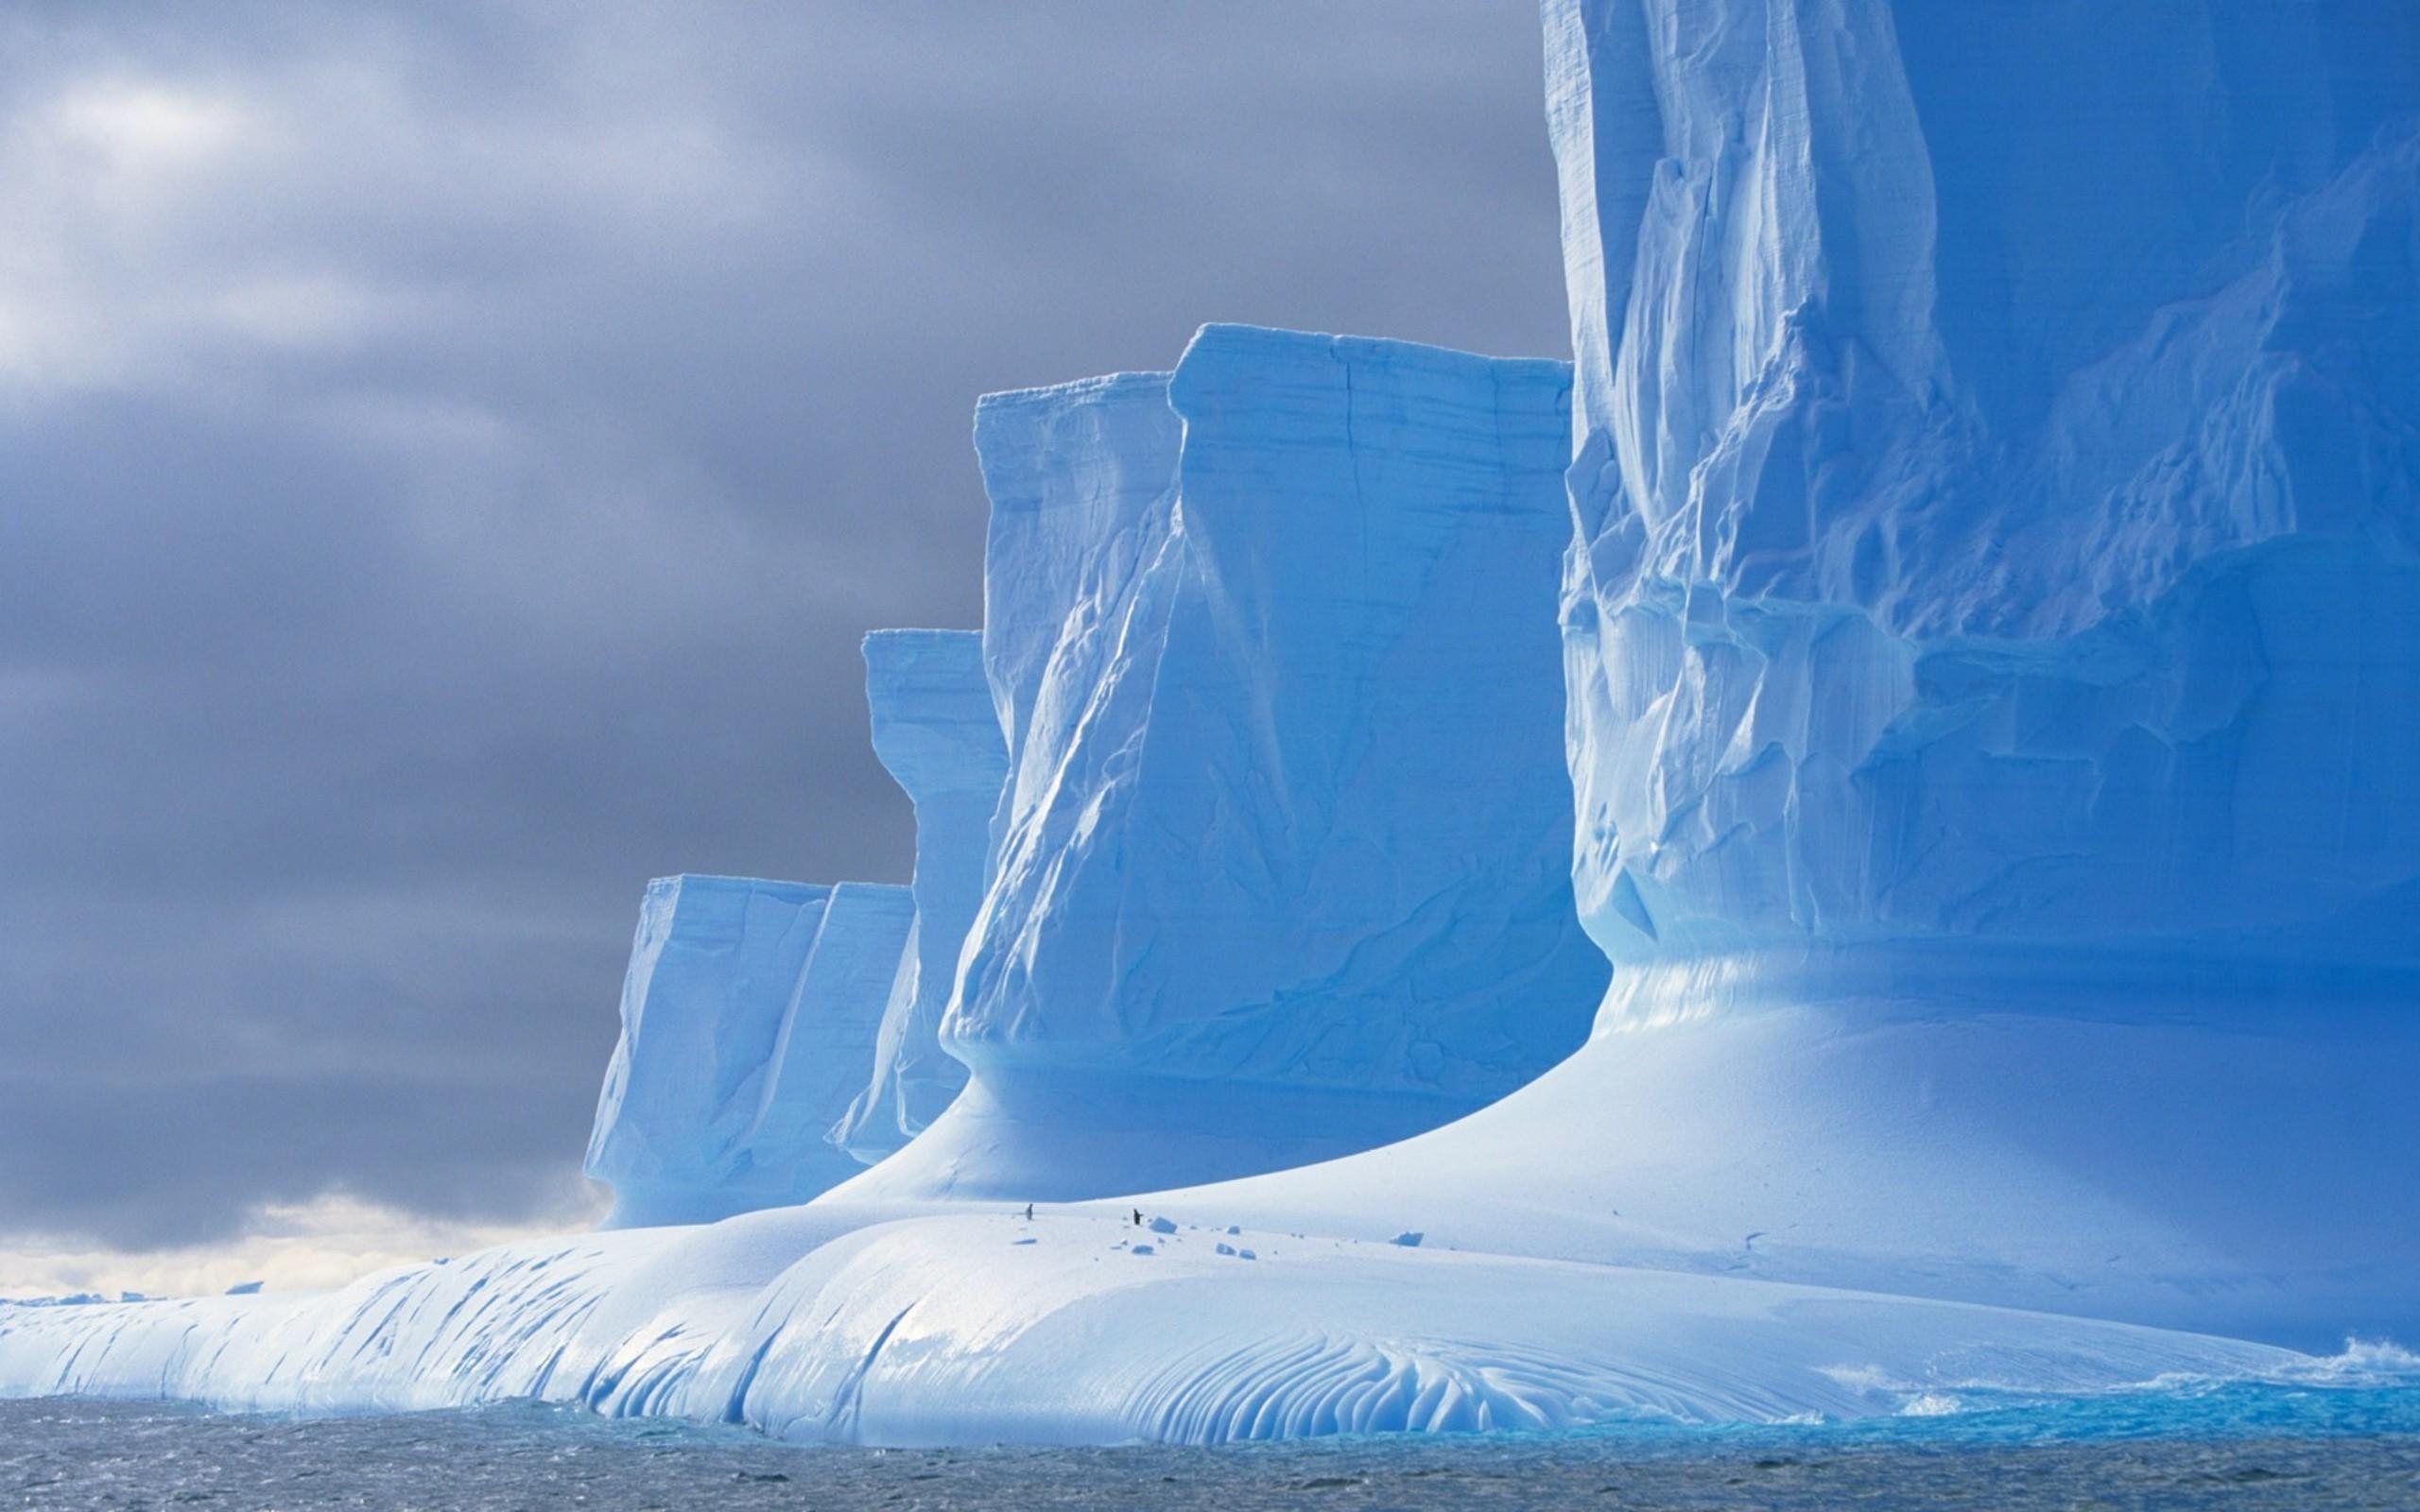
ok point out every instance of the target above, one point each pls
(2234, 1445)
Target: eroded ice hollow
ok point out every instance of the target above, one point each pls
(1281, 861)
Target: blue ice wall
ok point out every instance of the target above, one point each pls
(749, 1014)
(938, 733)
(1997, 473)
(1994, 616)
(1281, 866)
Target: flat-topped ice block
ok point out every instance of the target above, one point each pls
(938, 731)
(1281, 861)
(749, 1013)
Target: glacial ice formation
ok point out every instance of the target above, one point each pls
(1990, 628)
(1280, 870)
(1998, 522)
(748, 1017)
(1994, 625)
(937, 731)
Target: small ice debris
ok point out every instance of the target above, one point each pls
(1408, 1239)
(1246, 1254)
(1163, 1225)
(1233, 1229)
(1013, 1242)
(1143, 1250)
(244, 1289)
(1223, 1248)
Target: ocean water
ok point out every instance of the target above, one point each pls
(2231, 1446)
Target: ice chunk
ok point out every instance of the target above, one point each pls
(748, 1017)
(937, 731)
(1282, 868)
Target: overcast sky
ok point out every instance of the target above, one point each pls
(448, 455)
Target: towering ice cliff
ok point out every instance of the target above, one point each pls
(937, 731)
(1998, 520)
(748, 1017)
(1281, 863)
(1993, 632)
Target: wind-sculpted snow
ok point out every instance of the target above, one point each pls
(818, 1324)
(1281, 866)
(748, 1015)
(937, 731)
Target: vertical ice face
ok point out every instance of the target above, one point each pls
(836, 1020)
(1281, 862)
(937, 731)
(1996, 478)
(748, 1015)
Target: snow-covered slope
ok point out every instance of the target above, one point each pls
(747, 1018)
(826, 1324)
(1281, 870)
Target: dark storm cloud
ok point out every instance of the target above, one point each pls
(448, 456)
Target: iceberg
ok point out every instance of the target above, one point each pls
(1281, 867)
(748, 1015)
(1857, 841)
(1991, 630)
(939, 734)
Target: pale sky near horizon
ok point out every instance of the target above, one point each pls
(451, 454)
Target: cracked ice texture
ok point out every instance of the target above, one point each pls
(937, 731)
(748, 1015)
(1997, 480)
(1285, 833)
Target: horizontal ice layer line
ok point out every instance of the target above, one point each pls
(1281, 866)
(749, 1013)
(938, 733)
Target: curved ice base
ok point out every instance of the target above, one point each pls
(1075, 1329)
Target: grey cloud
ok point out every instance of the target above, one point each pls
(448, 455)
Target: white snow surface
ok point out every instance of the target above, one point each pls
(828, 1324)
